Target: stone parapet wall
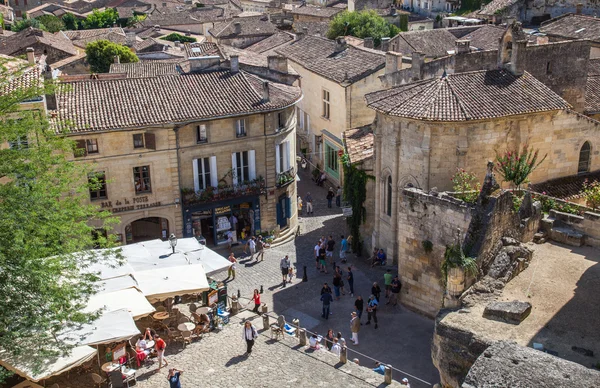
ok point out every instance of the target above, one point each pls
(588, 225)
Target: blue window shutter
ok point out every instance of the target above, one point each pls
(288, 207)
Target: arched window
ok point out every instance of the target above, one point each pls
(388, 199)
(584, 158)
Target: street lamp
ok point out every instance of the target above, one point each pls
(173, 241)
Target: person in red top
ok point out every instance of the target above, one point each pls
(160, 346)
(256, 299)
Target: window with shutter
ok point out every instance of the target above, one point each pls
(138, 140)
(240, 128)
(201, 136)
(150, 140)
(203, 172)
(241, 167)
(80, 148)
(141, 179)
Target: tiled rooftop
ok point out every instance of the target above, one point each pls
(485, 38)
(566, 188)
(592, 95)
(30, 36)
(145, 69)
(573, 26)
(359, 143)
(251, 58)
(87, 34)
(319, 55)
(186, 16)
(594, 66)
(496, 6)
(312, 28)
(26, 78)
(474, 95)
(271, 42)
(311, 10)
(250, 26)
(138, 102)
(432, 43)
(202, 50)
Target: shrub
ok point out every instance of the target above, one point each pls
(466, 185)
(591, 192)
(515, 167)
(173, 37)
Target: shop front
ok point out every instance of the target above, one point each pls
(213, 221)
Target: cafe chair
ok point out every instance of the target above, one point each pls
(187, 337)
(193, 307)
(116, 379)
(278, 327)
(129, 375)
(183, 319)
(98, 380)
(174, 335)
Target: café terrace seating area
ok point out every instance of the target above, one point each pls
(153, 287)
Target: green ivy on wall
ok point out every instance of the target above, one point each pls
(355, 193)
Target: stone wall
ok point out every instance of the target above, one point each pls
(421, 217)
(587, 225)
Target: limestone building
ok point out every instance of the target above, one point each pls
(183, 151)
(335, 77)
(425, 130)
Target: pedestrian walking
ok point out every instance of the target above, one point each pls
(231, 270)
(322, 260)
(329, 337)
(330, 196)
(309, 205)
(342, 284)
(350, 279)
(260, 249)
(249, 334)
(160, 346)
(338, 197)
(284, 265)
(343, 249)
(229, 240)
(372, 310)
(337, 278)
(299, 200)
(233, 221)
(387, 280)
(376, 290)
(358, 306)
(252, 247)
(316, 250)
(325, 288)
(326, 298)
(396, 287)
(330, 246)
(290, 274)
(256, 300)
(354, 327)
(173, 377)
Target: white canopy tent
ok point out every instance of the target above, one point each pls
(116, 284)
(112, 326)
(23, 365)
(130, 299)
(212, 262)
(163, 283)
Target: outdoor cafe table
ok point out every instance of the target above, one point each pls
(110, 366)
(149, 344)
(161, 315)
(186, 326)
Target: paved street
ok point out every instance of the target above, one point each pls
(403, 338)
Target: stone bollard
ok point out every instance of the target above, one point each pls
(235, 305)
(265, 318)
(387, 377)
(344, 355)
(264, 308)
(302, 336)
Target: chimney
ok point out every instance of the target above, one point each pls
(265, 91)
(340, 44)
(418, 59)
(385, 44)
(351, 5)
(541, 39)
(277, 63)
(368, 43)
(517, 57)
(578, 8)
(117, 59)
(299, 36)
(462, 46)
(391, 62)
(129, 39)
(237, 28)
(234, 63)
(31, 55)
(177, 43)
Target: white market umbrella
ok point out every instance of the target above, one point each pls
(130, 299)
(112, 326)
(162, 283)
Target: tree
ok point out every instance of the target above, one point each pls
(101, 19)
(101, 53)
(591, 193)
(516, 167)
(52, 23)
(403, 22)
(20, 25)
(173, 37)
(71, 22)
(44, 222)
(361, 24)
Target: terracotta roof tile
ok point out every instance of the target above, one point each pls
(485, 38)
(319, 56)
(312, 28)
(592, 95)
(145, 69)
(573, 26)
(250, 26)
(137, 102)
(185, 16)
(467, 96)
(432, 43)
(496, 6)
(311, 10)
(271, 42)
(202, 49)
(28, 37)
(23, 79)
(566, 188)
(594, 66)
(359, 143)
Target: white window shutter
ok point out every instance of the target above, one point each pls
(308, 124)
(277, 169)
(251, 165)
(195, 170)
(214, 180)
(286, 156)
(234, 176)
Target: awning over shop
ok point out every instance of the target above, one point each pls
(163, 283)
(130, 299)
(112, 326)
(23, 365)
(116, 284)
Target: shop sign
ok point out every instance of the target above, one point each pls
(222, 210)
(244, 205)
(135, 203)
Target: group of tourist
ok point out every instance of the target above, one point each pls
(308, 201)
(324, 250)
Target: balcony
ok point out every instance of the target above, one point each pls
(285, 178)
(223, 192)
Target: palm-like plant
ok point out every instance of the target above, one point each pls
(515, 167)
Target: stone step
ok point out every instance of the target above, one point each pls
(567, 236)
(285, 237)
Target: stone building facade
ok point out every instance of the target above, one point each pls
(188, 151)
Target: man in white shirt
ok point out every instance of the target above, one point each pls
(284, 265)
(316, 249)
(252, 246)
(336, 348)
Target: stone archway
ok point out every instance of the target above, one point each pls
(148, 228)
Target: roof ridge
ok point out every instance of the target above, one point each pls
(462, 107)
